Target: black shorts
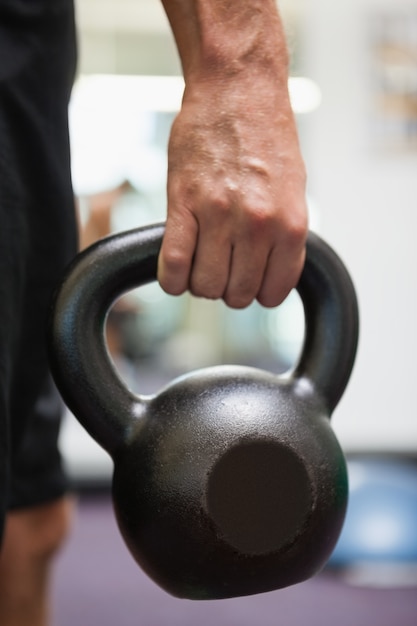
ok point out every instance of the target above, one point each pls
(37, 238)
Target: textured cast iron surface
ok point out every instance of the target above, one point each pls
(230, 481)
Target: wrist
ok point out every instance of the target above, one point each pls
(219, 59)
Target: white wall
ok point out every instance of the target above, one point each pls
(368, 209)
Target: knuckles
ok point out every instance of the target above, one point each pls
(296, 230)
(209, 289)
(173, 270)
(174, 261)
(239, 301)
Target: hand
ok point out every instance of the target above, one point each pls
(237, 218)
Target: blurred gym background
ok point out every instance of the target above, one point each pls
(354, 90)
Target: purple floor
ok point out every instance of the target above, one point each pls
(97, 583)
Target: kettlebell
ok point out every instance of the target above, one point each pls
(230, 481)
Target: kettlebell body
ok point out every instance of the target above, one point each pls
(230, 481)
(244, 473)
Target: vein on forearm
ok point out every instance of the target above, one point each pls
(226, 36)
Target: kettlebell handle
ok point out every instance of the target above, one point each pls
(82, 368)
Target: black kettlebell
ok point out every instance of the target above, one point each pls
(230, 481)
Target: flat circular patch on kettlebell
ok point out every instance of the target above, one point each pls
(259, 497)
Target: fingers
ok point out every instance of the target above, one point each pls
(281, 274)
(211, 263)
(195, 254)
(265, 267)
(227, 266)
(249, 258)
(238, 262)
(176, 255)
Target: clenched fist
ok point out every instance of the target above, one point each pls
(237, 219)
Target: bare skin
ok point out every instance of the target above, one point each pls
(31, 539)
(237, 219)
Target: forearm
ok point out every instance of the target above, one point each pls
(225, 38)
(236, 220)
(235, 65)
